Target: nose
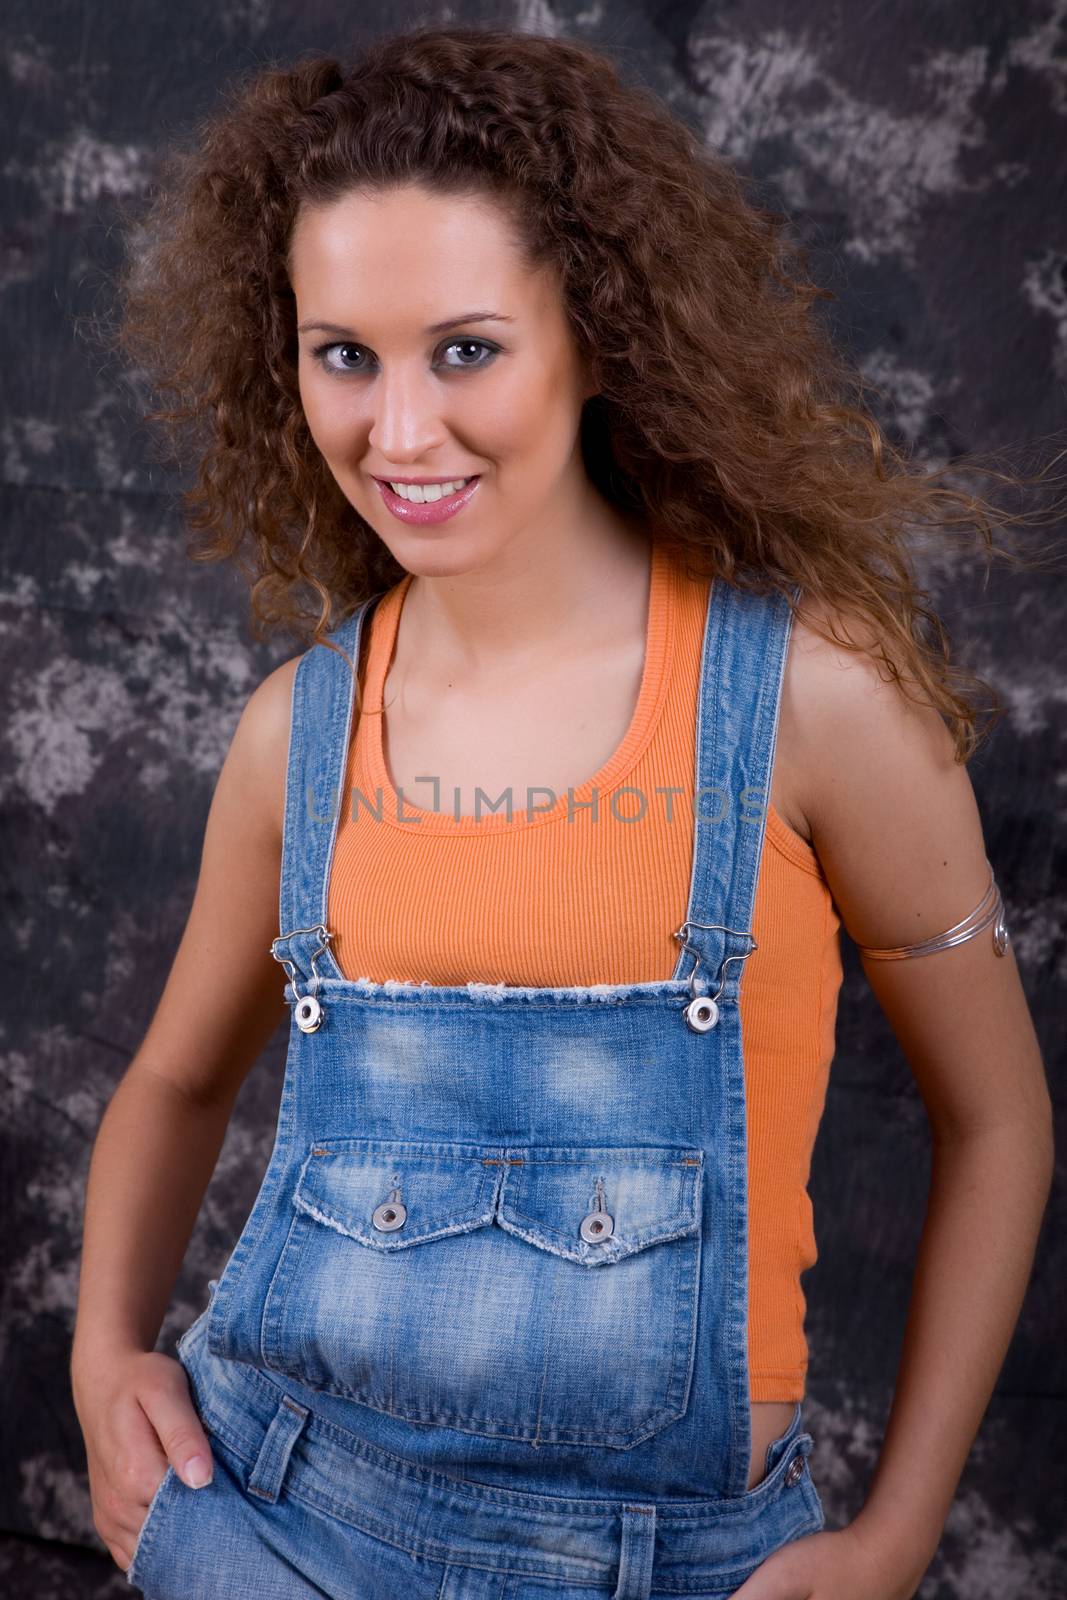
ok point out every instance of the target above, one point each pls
(406, 415)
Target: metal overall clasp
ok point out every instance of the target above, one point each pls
(309, 1013)
(392, 1213)
(598, 1225)
(702, 1011)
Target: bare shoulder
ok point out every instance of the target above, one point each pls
(260, 745)
(819, 676)
(205, 1046)
(843, 693)
(892, 814)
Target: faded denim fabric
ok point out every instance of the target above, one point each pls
(484, 1334)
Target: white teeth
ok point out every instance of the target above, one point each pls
(423, 493)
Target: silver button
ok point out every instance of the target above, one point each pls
(308, 1014)
(389, 1216)
(596, 1227)
(701, 1014)
(795, 1471)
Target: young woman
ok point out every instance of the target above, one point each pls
(617, 703)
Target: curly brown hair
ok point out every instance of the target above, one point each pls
(725, 417)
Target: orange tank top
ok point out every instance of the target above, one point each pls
(589, 890)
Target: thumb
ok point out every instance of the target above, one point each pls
(180, 1432)
(771, 1580)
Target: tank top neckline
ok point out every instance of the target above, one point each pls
(655, 682)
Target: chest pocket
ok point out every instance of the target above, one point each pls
(533, 1292)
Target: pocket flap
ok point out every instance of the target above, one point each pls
(650, 1193)
(444, 1188)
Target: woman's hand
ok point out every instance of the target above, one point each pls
(138, 1417)
(844, 1564)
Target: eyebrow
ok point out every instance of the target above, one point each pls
(437, 327)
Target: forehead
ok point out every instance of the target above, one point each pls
(407, 243)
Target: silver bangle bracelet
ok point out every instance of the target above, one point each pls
(983, 914)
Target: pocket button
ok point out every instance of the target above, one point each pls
(596, 1227)
(795, 1471)
(389, 1216)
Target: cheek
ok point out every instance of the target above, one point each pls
(520, 417)
(330, 415)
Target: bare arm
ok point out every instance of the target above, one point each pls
(160, 1136)
(896, 827)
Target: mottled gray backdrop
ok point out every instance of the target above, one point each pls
(920, 149)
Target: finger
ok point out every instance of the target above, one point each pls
(169, 1409)
(125, 1527)
(121, 1537)
(772, 1581)
(139, 1463)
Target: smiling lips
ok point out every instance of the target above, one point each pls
(429, 511)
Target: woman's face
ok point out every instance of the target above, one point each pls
(428, 351)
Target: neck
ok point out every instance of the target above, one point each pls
(533, 596)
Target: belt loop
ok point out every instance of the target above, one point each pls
(638, 1544)
(268, 1474)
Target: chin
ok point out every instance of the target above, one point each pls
(440, 549)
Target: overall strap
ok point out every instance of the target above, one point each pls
(745, 642)
(319, 734)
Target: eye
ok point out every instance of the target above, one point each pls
(466, 344)
(322, 351)
(351, 352)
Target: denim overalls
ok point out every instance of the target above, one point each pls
(484, 1334)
